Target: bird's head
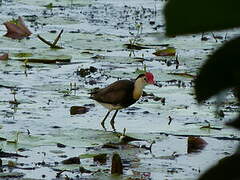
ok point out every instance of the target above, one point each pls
(146, 78)
(141, 81)
(149, 78)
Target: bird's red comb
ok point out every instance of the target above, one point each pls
(150, 78)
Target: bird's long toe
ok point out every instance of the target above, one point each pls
(103, 125)
(112, 124)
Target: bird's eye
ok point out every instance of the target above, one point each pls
(145, 79)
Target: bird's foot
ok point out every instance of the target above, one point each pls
(102, 123)
(113, 127)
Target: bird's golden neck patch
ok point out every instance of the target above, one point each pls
(138, 88)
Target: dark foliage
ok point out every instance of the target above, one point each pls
(187, 16)
(221, 71)
(227, 168)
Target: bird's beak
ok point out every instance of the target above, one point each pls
(156, 84)
(152, 82)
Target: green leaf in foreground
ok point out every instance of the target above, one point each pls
(187, 16)
(235, 123)
(227, 168)
(220, 71)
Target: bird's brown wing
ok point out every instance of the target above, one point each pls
(115, 93)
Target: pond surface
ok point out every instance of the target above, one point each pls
(94, 36)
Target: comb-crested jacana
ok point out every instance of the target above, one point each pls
(121, 94)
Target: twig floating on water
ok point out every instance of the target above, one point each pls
(170, 120)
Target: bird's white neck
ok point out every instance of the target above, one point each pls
(138, 88)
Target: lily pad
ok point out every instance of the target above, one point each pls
(11, 175)
(23, 55)
(47, 59)
(170, 51)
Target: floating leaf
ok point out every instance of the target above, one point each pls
(210, 127)
(187, 75)
(86, 71)
(186, 16)
(195, 144)
(11, 175)
(124, 139)
(72, 160)
(119, 145)
(47, 59)
(2, 139)
(4, 56)
(49, 6)
(165, 52)
(16, 29)
(8, 155)
(78, 110)
(86, 156)
(220, 71)
(100, 158)
(11, 164)
(117, 167)
(60, 145)
(135, 46)
(23, 55)
(84, 170)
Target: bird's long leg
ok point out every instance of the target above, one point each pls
(112, 120)
(103, 121)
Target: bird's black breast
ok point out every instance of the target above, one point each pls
(117, 93)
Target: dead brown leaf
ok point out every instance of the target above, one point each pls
(195, 144)
(16, 29)
(4, 56)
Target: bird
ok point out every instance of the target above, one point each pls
(121, 94)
